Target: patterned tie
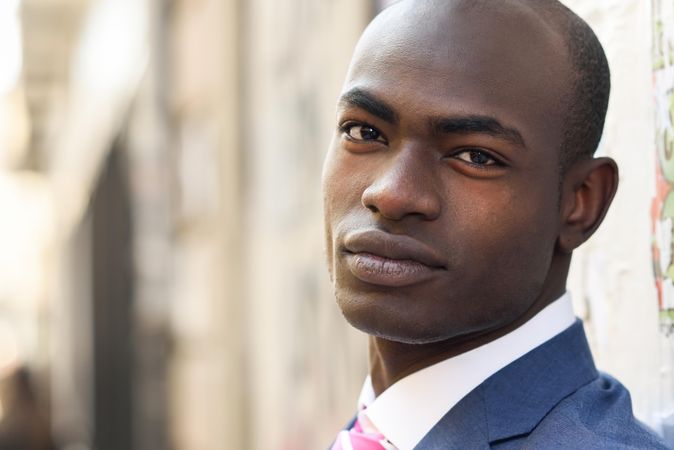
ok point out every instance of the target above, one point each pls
(363, 436)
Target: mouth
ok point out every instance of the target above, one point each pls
(379, 258)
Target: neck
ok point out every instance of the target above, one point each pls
(391, 361)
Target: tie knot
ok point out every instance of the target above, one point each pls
(362, 436)
(364, 425)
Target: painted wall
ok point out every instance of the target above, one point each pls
(613, 277)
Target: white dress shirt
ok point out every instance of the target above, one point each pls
(411, 407)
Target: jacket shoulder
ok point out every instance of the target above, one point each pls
(596, 416)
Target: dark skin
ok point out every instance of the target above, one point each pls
(445, 224)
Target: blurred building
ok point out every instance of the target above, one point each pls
(162, 272)
(182, 301)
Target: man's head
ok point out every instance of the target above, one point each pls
(587, 100)
(447, 213)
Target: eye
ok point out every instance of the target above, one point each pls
(361, 132)
(477, 157)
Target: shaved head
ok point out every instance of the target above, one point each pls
(585, 98)
(591, 84)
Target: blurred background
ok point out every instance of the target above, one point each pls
(162, 280)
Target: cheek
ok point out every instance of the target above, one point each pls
(506, 211)
(343, 182)
(342, 190)
(512, 232)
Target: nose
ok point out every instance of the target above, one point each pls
(403, 188)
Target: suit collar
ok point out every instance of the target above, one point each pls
(520, 395)
(515, 399)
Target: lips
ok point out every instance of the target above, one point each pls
(380, 258)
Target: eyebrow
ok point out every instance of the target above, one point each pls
(477, 124)
(362, 99)
(470, 124)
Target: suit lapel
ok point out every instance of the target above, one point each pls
(515, 399)
(519, 396)
(463, 427)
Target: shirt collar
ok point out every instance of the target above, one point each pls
(411, 407)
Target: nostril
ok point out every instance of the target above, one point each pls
(372, 208)
(368, 200)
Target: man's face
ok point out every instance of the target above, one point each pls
(441, 183)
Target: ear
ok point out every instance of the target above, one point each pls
(587, 191)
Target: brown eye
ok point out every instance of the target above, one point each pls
(359, 132)
(476, 157)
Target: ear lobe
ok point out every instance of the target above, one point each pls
(587, 192)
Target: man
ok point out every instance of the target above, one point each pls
(460, 179)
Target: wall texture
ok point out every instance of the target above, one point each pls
(612, 278)
(305, 365)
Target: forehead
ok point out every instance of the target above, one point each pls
(445, 58)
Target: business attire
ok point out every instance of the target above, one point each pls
(534, 388)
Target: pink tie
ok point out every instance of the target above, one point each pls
(358, 438)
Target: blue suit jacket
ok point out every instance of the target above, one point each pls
(551, 398)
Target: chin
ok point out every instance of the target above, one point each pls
(383, 321)
(412, 338)
(401, 334)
